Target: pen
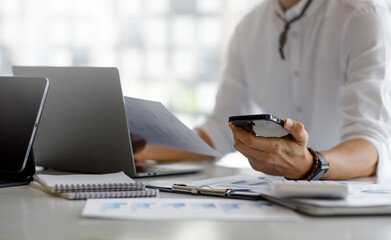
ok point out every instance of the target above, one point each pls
(201, 190)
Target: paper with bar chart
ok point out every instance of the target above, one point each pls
(174, 209)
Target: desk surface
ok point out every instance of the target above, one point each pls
(27, 213)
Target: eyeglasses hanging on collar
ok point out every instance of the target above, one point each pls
(284, 34)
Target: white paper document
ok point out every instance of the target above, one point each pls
(175, 209)
(158, 126)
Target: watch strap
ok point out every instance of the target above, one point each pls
(319, 167)
(314, 167)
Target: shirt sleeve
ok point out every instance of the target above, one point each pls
(232, 99)
(366, 95)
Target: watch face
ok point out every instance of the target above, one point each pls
(322, 159)
(323, 167)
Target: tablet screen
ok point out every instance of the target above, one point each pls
(21, 99)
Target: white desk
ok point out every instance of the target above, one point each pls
(27, 213)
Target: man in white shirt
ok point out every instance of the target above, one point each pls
(325, 64)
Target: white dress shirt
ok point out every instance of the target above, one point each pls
(335, 78)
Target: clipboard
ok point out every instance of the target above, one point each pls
(209, 191)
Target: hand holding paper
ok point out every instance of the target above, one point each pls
(154, 123)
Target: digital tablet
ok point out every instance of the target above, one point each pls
(21, 103)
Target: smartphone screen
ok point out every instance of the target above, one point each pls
(264, 125)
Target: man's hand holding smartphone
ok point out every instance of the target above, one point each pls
(283, 154)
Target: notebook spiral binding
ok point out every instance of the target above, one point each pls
(61, 188)
(119, 194)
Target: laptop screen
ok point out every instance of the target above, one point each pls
(21, 100)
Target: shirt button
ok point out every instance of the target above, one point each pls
(299, 109)
(296, 73)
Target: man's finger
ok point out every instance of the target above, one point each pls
(297, 130)
(249, 151)
(259, 143)
(241, 134)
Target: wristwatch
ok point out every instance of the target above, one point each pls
(322, 166)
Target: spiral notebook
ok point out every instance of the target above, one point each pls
(84, 186)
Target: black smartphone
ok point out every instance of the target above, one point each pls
(264, 125)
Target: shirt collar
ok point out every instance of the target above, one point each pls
(297, 8)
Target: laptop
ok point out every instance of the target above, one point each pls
(84, 127)
(21, 103)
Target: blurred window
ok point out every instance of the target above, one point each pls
(166, 50)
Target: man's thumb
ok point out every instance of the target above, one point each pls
(297, 130)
